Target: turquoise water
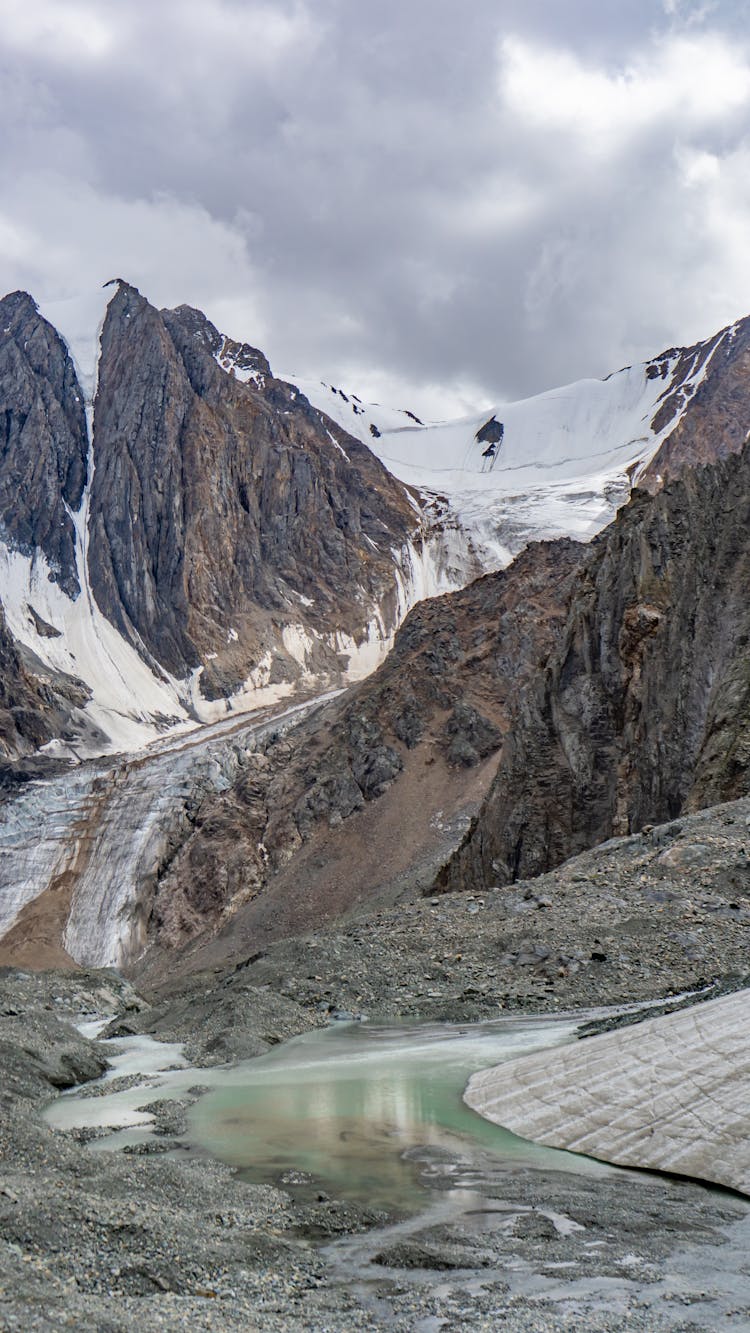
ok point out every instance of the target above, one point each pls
(370, 1111)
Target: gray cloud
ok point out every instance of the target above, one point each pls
(440, 204)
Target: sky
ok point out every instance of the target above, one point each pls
(438, 205)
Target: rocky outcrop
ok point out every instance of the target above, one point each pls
(42, 439)
(223, 506)
(34, 707)
(371, 794)
(718, 421)
(641, 710)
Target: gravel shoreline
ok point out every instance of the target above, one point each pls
(170, 1240)
(113, 1241)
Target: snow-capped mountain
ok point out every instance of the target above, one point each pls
(180, 540)
(184, 534)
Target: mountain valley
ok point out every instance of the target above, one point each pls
(312, 713)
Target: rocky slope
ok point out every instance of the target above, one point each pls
(641, 709)
(364, 802)
(607, 686)
(641, 917)
(33, 707)
(253, 829)
(718, 421)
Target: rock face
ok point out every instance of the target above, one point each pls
(42, 439)
(223, 506)
(378, 787)
(34, 707)
(641, 710)
(718, 421)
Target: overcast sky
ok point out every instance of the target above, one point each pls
(438, 204)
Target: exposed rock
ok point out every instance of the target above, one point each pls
(469, 736)
(717, 423)
(371, 794)
(535, 946)
(33, 707)
(491, 432)
(641, 710)
(43, 442)
(223, 505)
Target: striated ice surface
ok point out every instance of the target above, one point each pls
(670, 1094)
(109, 831)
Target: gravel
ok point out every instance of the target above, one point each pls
(165, 1239)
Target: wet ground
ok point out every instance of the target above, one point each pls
(399, 1209)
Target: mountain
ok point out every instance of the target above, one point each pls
(560, 463)
(586, 691)
(367, 799)
(581, 694)
(640, 712)
(184, 535)
(192, 538)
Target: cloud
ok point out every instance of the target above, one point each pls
(154, 243)
(688, 83)
(470, 201)
(57, 31)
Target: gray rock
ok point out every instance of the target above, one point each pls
(43, 439)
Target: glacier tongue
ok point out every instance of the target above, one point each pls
(97, 836)
(38, 838)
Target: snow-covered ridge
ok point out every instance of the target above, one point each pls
(365, 421)
(557, 464)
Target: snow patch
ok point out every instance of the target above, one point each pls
(229, 361)
(336, 445)
(130, 704)
(435, 564)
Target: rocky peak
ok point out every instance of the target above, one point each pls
(718, 421)
(43, 443)
(223, 510)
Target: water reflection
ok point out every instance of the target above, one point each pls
(365, 1110)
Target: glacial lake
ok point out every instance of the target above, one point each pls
(375, 1113)
(372, 1112)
